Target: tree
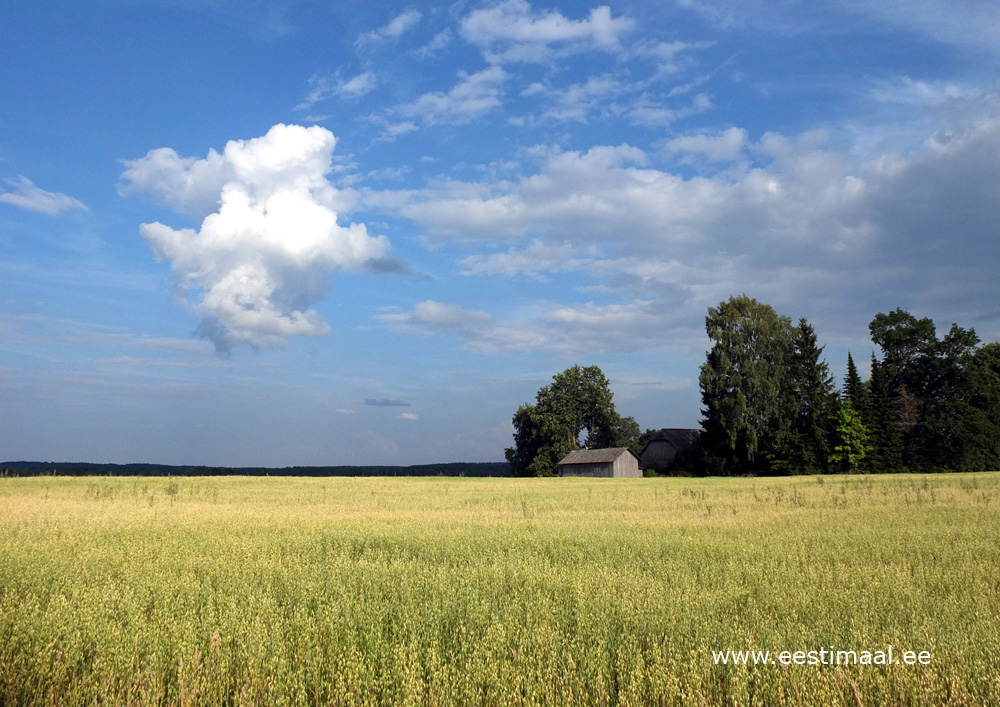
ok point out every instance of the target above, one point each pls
(851, 445)
(812, 401)
(578, 400)
(539, 443)
(906, 343)
(854, 389)
(882, 421)
(745, 383)
(983, 443)
(930, 383)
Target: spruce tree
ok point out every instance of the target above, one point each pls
(884, 422)
(855, 390)
(813, 403)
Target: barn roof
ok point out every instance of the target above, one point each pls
(595, 456)
(677, 438)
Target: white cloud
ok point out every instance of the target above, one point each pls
(472, 97)
(651, 112)
(269, 249)
(512, 32)
(786, 220)
(534, 260)
(392, 30)
(358, 86)
(909, 91)
(431, 315)
(717, 148)
(441, 40)
(186, 184)
(408, 416)
(327, 86)
(578, 101)
(390, 131)
(27, 196)
(561, 329)
(344, 411)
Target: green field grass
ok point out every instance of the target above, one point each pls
(496, 591)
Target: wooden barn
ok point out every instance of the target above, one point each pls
(660, 451)
(617, 463)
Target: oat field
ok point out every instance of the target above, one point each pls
(395, 591)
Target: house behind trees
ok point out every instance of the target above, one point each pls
(616, 462)
(660, 452)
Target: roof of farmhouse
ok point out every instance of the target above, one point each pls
(595, 456)
(677, 437)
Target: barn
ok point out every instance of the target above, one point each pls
(617, 462)
(661, 450)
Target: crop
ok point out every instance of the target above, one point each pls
(367, 591)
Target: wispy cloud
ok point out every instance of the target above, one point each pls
(724, 147)
(562, 329)
(923, 93)
(441, 40)
(511, 31)
(327, 86)
(27, 196)
(392, 30)
(431, 315)
(472, 97)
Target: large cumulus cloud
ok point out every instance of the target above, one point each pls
(270, 240)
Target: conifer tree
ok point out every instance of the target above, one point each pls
(855, 390)
(883, 422)
(813, 403)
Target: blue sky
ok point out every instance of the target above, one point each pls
(294, 232)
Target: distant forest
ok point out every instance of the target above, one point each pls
(22, 468)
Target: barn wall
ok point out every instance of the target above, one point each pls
(590, 470)
(626, 466)
(658, 453)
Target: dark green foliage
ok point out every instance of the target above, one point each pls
(744, 390)
(906, 343)
(940, 398)
(813, 403)
(886, 435)
(983, 448)
(540, 441)
(578, 400)
(770, 406)
(855, 390)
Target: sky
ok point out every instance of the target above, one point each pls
(292, 232)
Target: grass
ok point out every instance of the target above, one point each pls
(495, 591)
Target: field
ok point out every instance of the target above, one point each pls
(442, 591)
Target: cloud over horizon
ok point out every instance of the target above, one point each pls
(267, 251)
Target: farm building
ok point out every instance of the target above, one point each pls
(617, 462)
(660, 451)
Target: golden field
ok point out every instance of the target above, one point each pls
(453, 591)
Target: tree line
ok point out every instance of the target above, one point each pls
(771, 406)
(30, 468)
